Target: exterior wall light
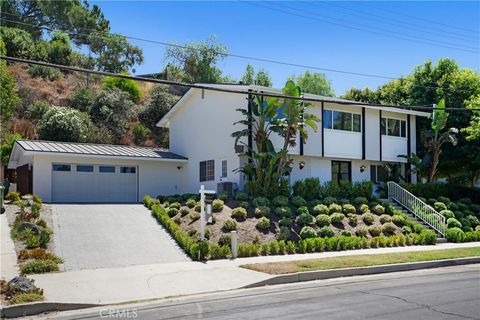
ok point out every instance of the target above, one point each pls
(362, 168)
(301, 165)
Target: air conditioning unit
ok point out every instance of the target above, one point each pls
(228, 187)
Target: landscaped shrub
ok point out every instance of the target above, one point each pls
(375, 231)
(36, 210)
(44, 238)
(417, 228)
(184, 211)
(385, 218)
(25, 297)
(241, 196)
(197, 207)
(308, 232)
(337, 217)
(447, 214)
(13, 196)
(302, 210)
(399, 220)
(283, 212)
(358, 201)
(439, 206)
(298, 201)
(348, 208)
(361, 232)
(229, 225)
(218, 252)
(217, 205)
(453, 223)
(304, 219)
(175, 205)
(473, 221)
(243, 204)
(428, 237)
(388, 228)
(368, 218)
(172, 212)
(455, 235)
(283, 233)
(343, 202)
(194, 216)
(352, 219)
(363, 208)
(406, 230)
(280, 201)
(320, 209)
(225, 240)
(285, 222)
(346, 233)
(39, 266)
(262, 211)
(329, 200)
(334, 208)
(223, 195)
(248, 250)
(41, 223)
(33, 241)
(261, 202)
(191, 203)
(263, 223)
(378, 209)
(326, 232)
(239, 214)
(323, 220)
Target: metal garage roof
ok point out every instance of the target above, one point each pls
(97, 149)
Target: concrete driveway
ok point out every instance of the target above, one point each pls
(90, 236)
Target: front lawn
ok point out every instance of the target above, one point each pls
(361, 260)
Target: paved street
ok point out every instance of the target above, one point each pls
(89, 236)
(444, 293)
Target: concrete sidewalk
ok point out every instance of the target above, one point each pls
(118, 285)
(8, 256)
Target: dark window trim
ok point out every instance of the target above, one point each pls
(363, 134)
(206, 177)
(226, 169)
(339, 165)
(399, 127)
(351, 113)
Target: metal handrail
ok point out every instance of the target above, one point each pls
(417, 207)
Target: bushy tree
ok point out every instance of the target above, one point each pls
(112, 109)
(8, 95)
(473, 130)
(160, 102)
(127, 85)
(17, 42)
(314, 83)
(37, 110)
(60, 49)
(262, 78)
(64, 124)
(140, 133)
(7, 146)
(83, 99)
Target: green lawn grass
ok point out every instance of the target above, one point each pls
(362, 260)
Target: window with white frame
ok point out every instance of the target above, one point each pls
(207, 170)
(339, 120)
(224, 169)
(393, 127)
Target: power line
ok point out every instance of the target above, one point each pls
(383, 32)
(207, 87)
(245, 57)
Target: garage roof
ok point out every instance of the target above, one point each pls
(97, 149)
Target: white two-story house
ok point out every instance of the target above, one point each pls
(353, 143)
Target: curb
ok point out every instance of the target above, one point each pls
(361, 271)
(28, 309)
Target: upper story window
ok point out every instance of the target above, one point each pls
(393, 127)
(207, 170)
(340, 120)
(224, 169)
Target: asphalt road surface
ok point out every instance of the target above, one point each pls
(443, 293)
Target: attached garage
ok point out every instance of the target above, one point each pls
(90, 173)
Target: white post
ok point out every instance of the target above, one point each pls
(234, 243)
(202, 212)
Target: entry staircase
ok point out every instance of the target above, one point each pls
(418, 210)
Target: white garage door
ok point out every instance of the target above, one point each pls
(94, 183)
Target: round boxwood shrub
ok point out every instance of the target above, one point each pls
(399, 220)
(363, 208)
(239, 214)
(417, 228)
(197, 207)
(375, 231)
(262, 211)
(223, 195)
(368, 218)
(332, 208)
(283, 212)
(329, 200)
(445, 200)
(285, 222)
(352, 219)
(406, 230)
(453, 223)
(323, 220)
(388, 228)
(304, 219)
(346, 233)
(378, 209)
(358, 201)
(280, 201)
(320, 209)
(447, 214)
(343, 201)
(462, 206)
(225, 240)
(243, 204)
(261, 202)
(455, 235)
(172, 212)
(308, 232)
(175, 205)
(337, 217)
(439, 206)
(302, 210)
(241, 196)
(184, 211)
(283, 233)
(361, 232)
(452, 206)
(348, 208)
(465, 200)
(263, 223)
(229, 225)
(298, 201)
(217, 205)
(191, 203)
(385, 218)
(194, 216)
(326, 232)
(472, 219)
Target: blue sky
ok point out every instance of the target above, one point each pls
(310, 33)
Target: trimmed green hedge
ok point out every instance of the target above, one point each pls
(434, 190)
